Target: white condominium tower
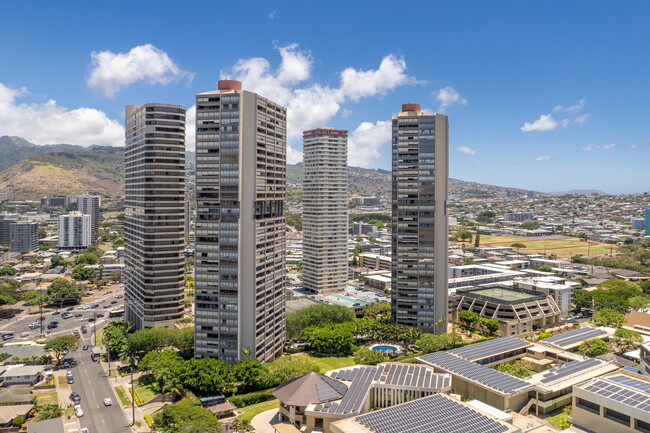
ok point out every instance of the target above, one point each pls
(74, 231)
(89, 205)
(420, 179)
(154, 235)
(240, 225)
(325, 210)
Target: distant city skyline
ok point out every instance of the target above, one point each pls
(533, 106)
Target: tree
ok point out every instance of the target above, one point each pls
(294, 220)
(337, 337)
(477, 240)
(545, 268)
(594, 347)
(369, 357)
(581, 299)
(529, 225)
(185, 417)
(358, 249)
(462, 235)
(57, 260)
(517, 246)
(49, 411)
(115, 276)
(60, 344)
(42, 232)
(247, 373)
(7, 270)
(316, 315)
(626, 340)
(17, 422)
(81, 272)
(468, 318)
(491, 325)
(468, 260)
(429, 343)
(639, 302)
(378, 309)
(285, 368)
(86, 259)
(514, 369)
(609, 317)
(63, 291)
(114, 338)
(372, 239)
(543, 334)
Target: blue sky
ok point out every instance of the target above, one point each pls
(541, 95)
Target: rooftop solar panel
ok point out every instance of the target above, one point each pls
(487, 377)
(566, 335)
(570, 368)
(490, 348)
(565, 342)
(632, 383)
(605, 388)
(436, 413)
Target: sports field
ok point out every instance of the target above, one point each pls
(558, 245)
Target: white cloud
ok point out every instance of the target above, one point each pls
(364, 143)
(589, 147)
(582, 119)
(576, 108)
(544, 123)
(467, 150)
(449, 96)
(543, 158)
(633, 146)
(190, 128)
(565, 122)
(45, 123)
(272, 15)
(111, 72)
(314, 104)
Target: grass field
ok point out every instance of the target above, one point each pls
(63, 382)
(328, 363)
(47, 398)
(250, 411)
(559, 420)
(121, 394)
(145, 392)
(563, 247)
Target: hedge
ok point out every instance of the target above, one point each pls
(252, 398)
(147, 418)
(137, 397)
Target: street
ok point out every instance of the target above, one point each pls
(19, 325)
(92, 384)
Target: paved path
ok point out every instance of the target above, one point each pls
(262, 422)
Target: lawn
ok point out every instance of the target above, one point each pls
(146, 393)
(327, 363)
(44, 398)
(250, 411)
(559, 420)
(121, 394)
(563, 247)
(63, 382)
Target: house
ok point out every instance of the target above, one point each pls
(8, 413)
(54, 425)
(22, 375)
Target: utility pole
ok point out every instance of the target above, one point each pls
(132, 397)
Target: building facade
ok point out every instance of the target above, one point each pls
(240, 226)
(6, 220)
(75, 231)
(89, 205)
(325, 210)
(420, 180)
(154, 219)
(188, 218)
(23, 237)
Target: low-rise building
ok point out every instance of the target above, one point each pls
(22, 375)
(375, 262)
(556, 287)
(518, 310)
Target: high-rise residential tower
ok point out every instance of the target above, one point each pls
(325, 210)
(188, 218)
(89, 205)
(154, 223)
(23, 237)
(420, 180)
(240, 225)
(74, 231)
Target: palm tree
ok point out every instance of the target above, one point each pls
(246, 425)
(236, 424)
(129, 356)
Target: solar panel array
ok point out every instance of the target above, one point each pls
(608, 389)
(416, 376)
(632, 383)
(569, 369)
(490, 348)
(572, 337)
(357, 391)
(488, 377)
(433, 414)
(326, 392)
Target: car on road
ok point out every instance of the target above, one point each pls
(78, 315)
(52, 324)
(40, 319)
(85, 347)
(78, 411)
(7, 335)
(100, 315)
(94, 306)
(69, 309)
(108, 402)
(81, 319)
(84, 430)
(66, 364)
(75, 397)
(70, 379)
(55, 313)
(66, 315)
(91, 319)
(69, 373)
(24, 334)
(113, 302)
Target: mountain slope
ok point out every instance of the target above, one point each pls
(16, 149)
(97, 170)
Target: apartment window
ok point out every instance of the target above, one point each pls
(617, 416)
(587, 405)
(642, 426)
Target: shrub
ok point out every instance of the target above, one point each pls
(136, 397)
(148, 420)
(251, 398)
(18, 421)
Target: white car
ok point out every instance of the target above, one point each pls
(78, 411)
(84, 430)
(108, 402)
(24, 334)
(81, 319)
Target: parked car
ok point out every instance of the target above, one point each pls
(7, 335)
(66, 364)
(84, 430)
(85, 347)
(69, 309)
(70, 379)
(75, 397)
(78, 411)
(78, 315)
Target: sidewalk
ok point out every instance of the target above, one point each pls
(125, 383)
(63, 391)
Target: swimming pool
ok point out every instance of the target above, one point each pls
(385, 349)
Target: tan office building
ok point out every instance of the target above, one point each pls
(154, 190)
(420, 178)
(240, 226)
(325, 210)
